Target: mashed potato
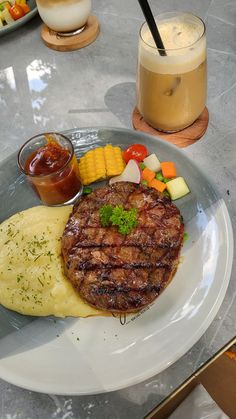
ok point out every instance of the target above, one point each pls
(31, 268)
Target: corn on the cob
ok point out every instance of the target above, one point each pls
(114, 161)
(101, 163)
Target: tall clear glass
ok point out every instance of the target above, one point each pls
(171, 89)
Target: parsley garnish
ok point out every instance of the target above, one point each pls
(117, 216)
(105, 214)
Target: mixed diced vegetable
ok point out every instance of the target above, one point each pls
(153, 173)
(12, 10)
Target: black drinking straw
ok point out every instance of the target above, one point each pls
(152, 26)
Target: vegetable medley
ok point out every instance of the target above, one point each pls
(141, 167)
(12, 10)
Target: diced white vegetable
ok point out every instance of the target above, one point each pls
(7, 17)
(131, 173)
(177, 188)
(152, 163)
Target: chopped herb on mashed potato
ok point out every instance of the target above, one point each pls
(32, 279)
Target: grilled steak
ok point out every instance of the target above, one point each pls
(122, 273)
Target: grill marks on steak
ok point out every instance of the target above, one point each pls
(127, 257)
(119, 272)
(123, 290)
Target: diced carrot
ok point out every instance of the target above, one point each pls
(168, 169)
(25, 7)
(157, 184)
(148, 174)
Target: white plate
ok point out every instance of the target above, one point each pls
(84, 356)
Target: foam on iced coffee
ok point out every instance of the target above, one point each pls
(182, 40)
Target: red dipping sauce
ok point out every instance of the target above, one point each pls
(47, 159)
(53, 170)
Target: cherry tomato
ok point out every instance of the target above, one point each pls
(16, 12)
(135, 151)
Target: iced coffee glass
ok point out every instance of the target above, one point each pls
(171, 89)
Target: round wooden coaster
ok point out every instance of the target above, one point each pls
(182, 138)
(71, 43)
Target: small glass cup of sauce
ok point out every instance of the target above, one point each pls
(49, 162)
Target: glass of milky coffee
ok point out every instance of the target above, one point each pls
(171, 88)
(64, 15)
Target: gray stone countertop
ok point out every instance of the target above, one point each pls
(43, 90)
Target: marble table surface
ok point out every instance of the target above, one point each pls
(43, 90)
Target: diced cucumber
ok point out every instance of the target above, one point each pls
(152, 163)
(177, 188)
